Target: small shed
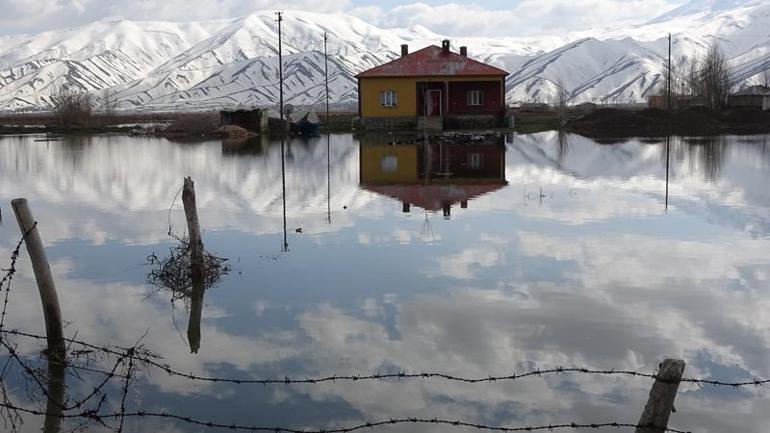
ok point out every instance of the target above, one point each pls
(252, 120)
(754, 96)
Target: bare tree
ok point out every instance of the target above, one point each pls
(715, 78)
(109, 105)
(766, 77)
(693, 78)
(73, 107)
(562, 97)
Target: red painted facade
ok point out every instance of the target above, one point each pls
(491, 102)
(479, 162)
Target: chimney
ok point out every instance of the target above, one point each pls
(404, 50)
(464, 51)
(445, 46)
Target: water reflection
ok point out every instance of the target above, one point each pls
(433, 176)
(597, 275)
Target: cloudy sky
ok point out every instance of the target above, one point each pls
(476, 17)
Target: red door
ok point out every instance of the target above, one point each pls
(434, 102)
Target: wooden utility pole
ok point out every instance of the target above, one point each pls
(661, 402)
(668, 85)
(45, 284)
(326, 74)
(283, 132)
(280, 67)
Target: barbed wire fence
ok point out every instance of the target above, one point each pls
(106, 402)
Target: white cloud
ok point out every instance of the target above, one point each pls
(528, 17)
(29, 16)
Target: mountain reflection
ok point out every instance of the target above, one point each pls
(597, 275)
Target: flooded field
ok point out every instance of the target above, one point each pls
(533, 251)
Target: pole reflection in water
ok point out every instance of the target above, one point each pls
(328, 180)
(196, 311)
(285, 246)
(668, 158)
(56, 389)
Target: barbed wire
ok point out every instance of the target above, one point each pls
(5, 282)
(363, 426)
(130, 358)
(150, 359)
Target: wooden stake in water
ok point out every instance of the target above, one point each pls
(197, 264)
(56, 391)
(660, 405)
(45, 284)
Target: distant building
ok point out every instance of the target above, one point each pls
(432, 87)
(534, 107)
(754, 96)
(678, 102)
(252, 120)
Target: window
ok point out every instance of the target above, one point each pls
(388, 98)
(389, 164)
(474, 161)
(475, 98)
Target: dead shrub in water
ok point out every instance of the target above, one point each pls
(173, 273)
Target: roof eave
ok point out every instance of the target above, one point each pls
(501, 74)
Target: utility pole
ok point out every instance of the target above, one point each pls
(668, 86)
(285, 246)
(326, 74)
(280, 66)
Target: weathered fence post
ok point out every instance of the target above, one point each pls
(661, 402)
(56, 390)
(43, 276)
(197, 265)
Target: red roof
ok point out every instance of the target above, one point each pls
(432, 61)
(433, 197)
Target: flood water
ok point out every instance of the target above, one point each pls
(536, 252)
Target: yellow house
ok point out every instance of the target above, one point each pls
(432, 85)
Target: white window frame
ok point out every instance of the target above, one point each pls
(389, 164)
(475, 161)
(388, 98)
(475, 98)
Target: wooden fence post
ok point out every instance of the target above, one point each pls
(43, 276)
(56, 390)
(661, 402)
(197, 264)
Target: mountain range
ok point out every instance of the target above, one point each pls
(233, 63)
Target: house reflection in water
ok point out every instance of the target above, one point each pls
(439, 176)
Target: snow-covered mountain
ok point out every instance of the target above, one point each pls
(160, 65)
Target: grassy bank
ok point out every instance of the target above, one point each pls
(599, 123)
(609, 122)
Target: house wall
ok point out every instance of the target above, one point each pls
(757, 101)
(250, 120)
(492, 160)
(406, 94)
(458, 97)
(408, 100)
(373, 172)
